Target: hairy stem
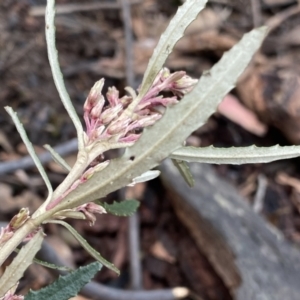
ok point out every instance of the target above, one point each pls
(16, 239)
(76, 171)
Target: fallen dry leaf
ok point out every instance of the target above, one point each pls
(159, 251)
(232, 109)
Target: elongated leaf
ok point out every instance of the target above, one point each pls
(178, 122)
(66, 286)
(30, 149)
(48, 265)
(22, 261)
(125, 208)
(58, 158)
(51, 266)
(184, 16)
(87, 247)
(235, 156)
(56, 72)
(185, 171)
(149, 175)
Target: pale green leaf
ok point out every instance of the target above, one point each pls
(66, 286)
(149, 175)
(185, 171)
(235, 156)
(51, 266)
(57, 158)
(48, 265)
(30, 149)
(178, 122)
(56, 72)
(87, 247)
(175, 30)
(125, 208)
(21, 262)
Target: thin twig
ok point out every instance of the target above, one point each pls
(262, 185)
(134, 252)
(27, 162)
(133, 230)
(280, 17)
(128, 43)
(101, 292)
(39, 10)
(256, 13)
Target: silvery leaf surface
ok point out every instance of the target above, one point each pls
(235, 155)
(21, 262)
(178, 122)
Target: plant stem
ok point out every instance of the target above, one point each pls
(16, 239)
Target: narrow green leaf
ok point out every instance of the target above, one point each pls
(57, 158)
(185, 172)
(235, 156)
(185, 15)
(56, 72)
(30, 149)
(125, 208)
(178, 122)
(51, 266)
(21, 262)
(66, 286)
(87, 247)
(48, 265)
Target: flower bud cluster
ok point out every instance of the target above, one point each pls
(104, 122)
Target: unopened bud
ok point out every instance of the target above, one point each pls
(165, 73)
(112, 96)
(183, 85)
(18, 220)
(118, 126)
(97, 109)
(144, 121)
(91, 171)
(94, 95)
(90, 209)
(125, 100)
(111, 113)
(130, 138)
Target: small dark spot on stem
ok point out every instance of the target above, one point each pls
(132, 158)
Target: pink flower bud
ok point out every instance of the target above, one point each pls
(113, 96)
(118, 126)
(125, 100)
(110, 113)
(183, 85)
(91, 171)
(144, 122)
(130, 138)
(90, 209)
(94, 96)
(97, 109)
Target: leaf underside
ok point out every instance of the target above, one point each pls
(235, 155)
(185, 171)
